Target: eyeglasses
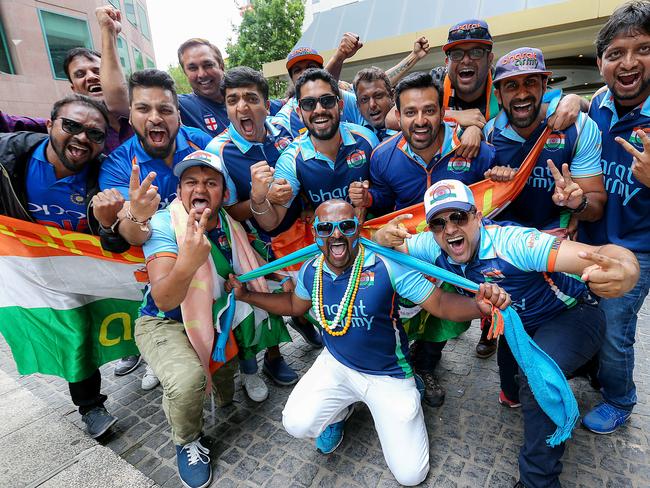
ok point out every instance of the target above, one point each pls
(73, 127)
(461, 217)
(474, 53)
(308, 104)
(348, 227)
(475, 33)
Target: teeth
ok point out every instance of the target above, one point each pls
(455, 239)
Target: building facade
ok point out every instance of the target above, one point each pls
(35, 36)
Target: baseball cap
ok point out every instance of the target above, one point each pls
(199, 158)
(446, 195)
(302, 54)
(471, 30)
(522, 61)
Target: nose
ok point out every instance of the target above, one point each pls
(91, 75)
(372, 103)
(155, 117)
(629, 60)
(420, 119)
(242, 104)
(337, 233)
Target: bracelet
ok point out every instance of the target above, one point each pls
(111, 229)
(580, 208)
(284, 280)
(255, 212)
(144, 225)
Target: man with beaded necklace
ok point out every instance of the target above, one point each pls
(352, 292)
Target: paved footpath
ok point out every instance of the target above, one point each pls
(474, 441)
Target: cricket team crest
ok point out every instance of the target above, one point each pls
(356, 159)
(635, 139)
(367, 279)
(555, 141)
(493, 275)
(210, 122)
(77, 199)
(459, 165)
(281, 143)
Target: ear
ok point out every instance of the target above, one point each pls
(71, 87)
(341, 105)
(226, 192)
(490, 58)
(497, 92)
(446, 61)
(599, 63)
(397, 116)
(299, 112)
(49, 125)
(267, 105)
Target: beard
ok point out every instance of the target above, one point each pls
(643, 87)
(523, 123)
(156, 152)
(67, 164)
(324, 134)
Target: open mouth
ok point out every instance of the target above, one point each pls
(247, 125)
(205, 83)
(77, 151)
(422, 133)
(338, 249)
(157, 136)
(466, 73)
(456, 244)
(375, 115)
(628, 79)
(95, 89)
(522, 109)
(320, 121)
(199, 204)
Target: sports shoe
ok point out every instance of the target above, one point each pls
(149, 380)
(127, 364)
(98, 421)
(505, 401)
(434, 393)
(332, 436)
(193, 460)
(279, 371)
(485, 347)
(605, 418)
(255, 387)
(307, 331)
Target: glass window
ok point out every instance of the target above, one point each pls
(144, 22)
(123, 53)
(62, 33)
(129, 10)
(138, 59)
(6, 66)
(115, 3)
(150, 63)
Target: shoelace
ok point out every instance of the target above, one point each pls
(607, 411)
(196, 452)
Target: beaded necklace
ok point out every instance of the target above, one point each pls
(346, 306)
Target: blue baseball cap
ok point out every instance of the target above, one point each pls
(471, 30)
(447, 195)
(522, 61)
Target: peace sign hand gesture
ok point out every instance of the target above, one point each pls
(195, 249)
(144, 197)
(641, 159)
(567, 192)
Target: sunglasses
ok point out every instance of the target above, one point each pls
(75, 128)
(437, 225)
(348, 227)
(308, 104)
(474, 53)
(475, 33)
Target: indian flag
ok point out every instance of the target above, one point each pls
(635, 139)
(66, 305)
(554, 142)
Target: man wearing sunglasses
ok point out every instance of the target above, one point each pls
(51, 180)
(353, 293)
(540, 272)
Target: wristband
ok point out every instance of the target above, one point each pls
(580, 208)
(144, 225)
(255, 212)
(111, 229)
(284, 280)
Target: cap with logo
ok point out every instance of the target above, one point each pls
(472, 30)
(303, 54)
(199, 158)
(522, 61)
(447, 195)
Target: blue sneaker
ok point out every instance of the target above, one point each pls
(279, 371)
(605, 418)
(307, 331)
(193, 460)
(330, 438)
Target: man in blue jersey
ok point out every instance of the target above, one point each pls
(622, 113)
(538, 271)
(321, 163)
(374, 99)
(352, 292)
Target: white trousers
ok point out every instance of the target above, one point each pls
(323, 394)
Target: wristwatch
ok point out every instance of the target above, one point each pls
(112, 229)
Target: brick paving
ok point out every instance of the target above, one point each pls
(474, 441)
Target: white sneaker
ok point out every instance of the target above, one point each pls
(149, 380)
(255, 387)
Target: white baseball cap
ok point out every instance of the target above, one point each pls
(199, 158)
(445, 195)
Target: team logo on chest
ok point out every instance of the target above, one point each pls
(77, 198)
(554, 142)
(356, 159)
(459, 165)
(367, 279)
(635, 139)
(281, 143)
(492, 275)
(210, 122)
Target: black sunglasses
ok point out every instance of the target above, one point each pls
(475, 33)
(474, 53)
(460, 217)
(75, 128)
(308, 104)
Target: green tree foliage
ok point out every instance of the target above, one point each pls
(182, 85)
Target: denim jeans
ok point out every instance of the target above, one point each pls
(571, 338)
(617, 354)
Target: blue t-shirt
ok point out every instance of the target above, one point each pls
(56, 202)
(204, 114)
(521, 260)
(289, 123)
(376, 342)
(275, 104)
(400, 177)
(319, 177)
(116, 169)
(579, 145)
(626, 221)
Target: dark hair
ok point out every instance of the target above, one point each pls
(419, 79)
(82, 100)
(78, 51)
(372, 74)
(244, 76)
(315, 74)
(630, 18)
(197, 41)
(152, 78)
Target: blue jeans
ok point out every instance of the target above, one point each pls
(571, 339)
(617, 354)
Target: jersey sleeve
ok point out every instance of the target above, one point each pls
(408, 283)
(586, 161)
(285, 168)
(115, 172)
(526, 248)
(163, 238)
(301, 290)
(351, 111)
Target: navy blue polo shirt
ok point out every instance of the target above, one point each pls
(56, 202)
(202, 113)
(626, 221)
(400, 177)
(320, 178)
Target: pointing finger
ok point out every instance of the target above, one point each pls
(554, 171)
(603, 261)
(628, 147)
(399, 218)
(566, 174)
(204, 220)
(134, 180)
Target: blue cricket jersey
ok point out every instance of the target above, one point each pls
(320, 178)
(400, 177)
(202, 113)
(520, 260)
(626, 221)
(376, 342)
(56, 202)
